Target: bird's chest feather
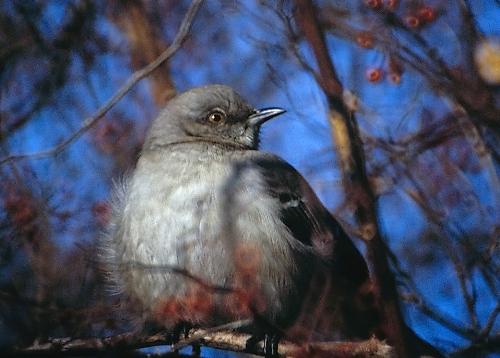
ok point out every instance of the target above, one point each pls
(178, 210)
(212, 219)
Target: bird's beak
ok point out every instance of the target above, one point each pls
(263, 115)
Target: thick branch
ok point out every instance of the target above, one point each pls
(129, 84)
(350, 149)
(343, 125)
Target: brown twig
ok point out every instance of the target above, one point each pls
(488, 326)
(129, 84)
(478, 349)
(415, 297)
(471, 331)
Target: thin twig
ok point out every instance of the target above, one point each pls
(490, 322)
(416, 298)
(478, 349)
(129, 84)
(460, 271)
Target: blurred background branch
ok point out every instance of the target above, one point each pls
(162, 88)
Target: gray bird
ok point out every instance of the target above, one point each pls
(208, 229)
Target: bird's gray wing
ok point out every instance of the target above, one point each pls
(309, 221)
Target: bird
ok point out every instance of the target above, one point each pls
(208, 229)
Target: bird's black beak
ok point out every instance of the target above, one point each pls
(263, 115)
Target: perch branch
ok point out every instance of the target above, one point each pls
(214, 338)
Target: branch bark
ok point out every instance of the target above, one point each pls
(349, 147)
(129, 84)
(213, 338)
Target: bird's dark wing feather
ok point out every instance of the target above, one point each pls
(309, 221)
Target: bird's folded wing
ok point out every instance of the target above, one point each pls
(309, 221)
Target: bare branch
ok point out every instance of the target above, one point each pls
(491, 321)
(220, 337)
(350, 150)
(129, 84)
(416, 298)
(477, 349)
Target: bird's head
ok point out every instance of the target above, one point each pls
(214, 113)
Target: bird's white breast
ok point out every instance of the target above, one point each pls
(200, 216)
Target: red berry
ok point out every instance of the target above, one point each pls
(426, 14)
(365, 40)
(374, 4)
(391, 4)
(374, 74)
(412, 21)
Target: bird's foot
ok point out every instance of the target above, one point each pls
(179, 332)
(196, 350)
(271, 342)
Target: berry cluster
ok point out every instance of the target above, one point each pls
(416, 18)
(423, 15)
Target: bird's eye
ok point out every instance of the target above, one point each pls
(216, 117)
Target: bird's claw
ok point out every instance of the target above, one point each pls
(271, 342)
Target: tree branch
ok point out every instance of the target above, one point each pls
(129, 84)
(216, 337)
(350, 150)
(489, 345)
